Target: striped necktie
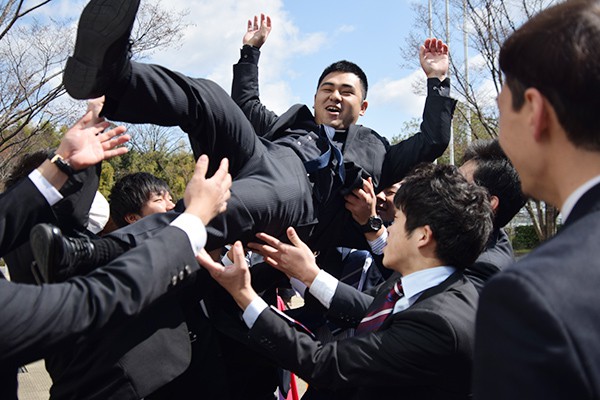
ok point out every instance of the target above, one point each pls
(374, 319)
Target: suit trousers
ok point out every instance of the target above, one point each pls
(271, 190)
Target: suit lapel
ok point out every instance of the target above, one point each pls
(588, 203)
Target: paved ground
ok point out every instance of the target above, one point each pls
(35, 382)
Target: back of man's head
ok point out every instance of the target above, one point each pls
(458, 213)
(494, 171)
(558, 53)
(347, 67)
(23, 167)
(131, 192)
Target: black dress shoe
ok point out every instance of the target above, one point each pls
(101, 53)
(58, 257)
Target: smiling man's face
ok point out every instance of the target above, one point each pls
(339, 100)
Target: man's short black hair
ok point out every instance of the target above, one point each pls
(458, 213)
(26, 163)
(129, 194)
(558, 53)
(347, 66)
(495, 172)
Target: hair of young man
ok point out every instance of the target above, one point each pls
(458, 213)
(558, 53)
(129, 194)
(350, 67)
(495, 172)
(23, 167)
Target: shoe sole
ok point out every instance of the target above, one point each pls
(102, 23)
(42, 254)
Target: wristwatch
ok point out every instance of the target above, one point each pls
(373, 225)
(61, 164)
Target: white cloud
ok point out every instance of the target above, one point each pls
(399, 94)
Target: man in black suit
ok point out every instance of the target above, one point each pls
(38, 320)
(270, 155)
(485, 164)
(538, 322)
(423, 349)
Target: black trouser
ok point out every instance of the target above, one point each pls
(270, 190)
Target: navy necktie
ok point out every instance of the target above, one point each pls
(327, 132)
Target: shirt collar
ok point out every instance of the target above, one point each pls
(416, 283)
(576, 195)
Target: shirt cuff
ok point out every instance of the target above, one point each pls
(298, 286)
(379, 243)
(323, 288)
(252, 312)
(49, 192)
(194, 228)
(225, 260)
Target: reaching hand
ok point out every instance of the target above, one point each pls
(257, 35)
(206, 198)
(85, 144)
(433, 55)
(296, 260)
(234, 278)
(362, 202)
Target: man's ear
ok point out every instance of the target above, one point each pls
(130, 218)
(425, 235)
(495, 202)
(539, 113)
(363, 108)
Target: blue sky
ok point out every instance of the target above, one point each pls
(307, 35)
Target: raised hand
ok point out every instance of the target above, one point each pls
(362, 202)
(86, 143)
(433, 56)
(206, 198)
(296, 260)
(234, 278)
(256, 35)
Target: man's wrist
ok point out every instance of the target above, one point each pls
(244, 297)
(53, 174)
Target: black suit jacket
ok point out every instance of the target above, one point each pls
(39, 320)
(366, 153)
(424, 351)
(538, 323)
(497, 255)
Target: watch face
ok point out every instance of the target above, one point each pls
(375, 223)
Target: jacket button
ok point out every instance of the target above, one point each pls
(174, 280)
(181, 275)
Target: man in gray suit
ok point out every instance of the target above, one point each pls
(538, 322)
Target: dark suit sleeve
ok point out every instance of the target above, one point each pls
(429, 143)
(36, 320)
(520, 347)
(409, 352)
(21, 207)
(245, 93)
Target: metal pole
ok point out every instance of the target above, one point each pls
(448, 43)
(466, 48)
